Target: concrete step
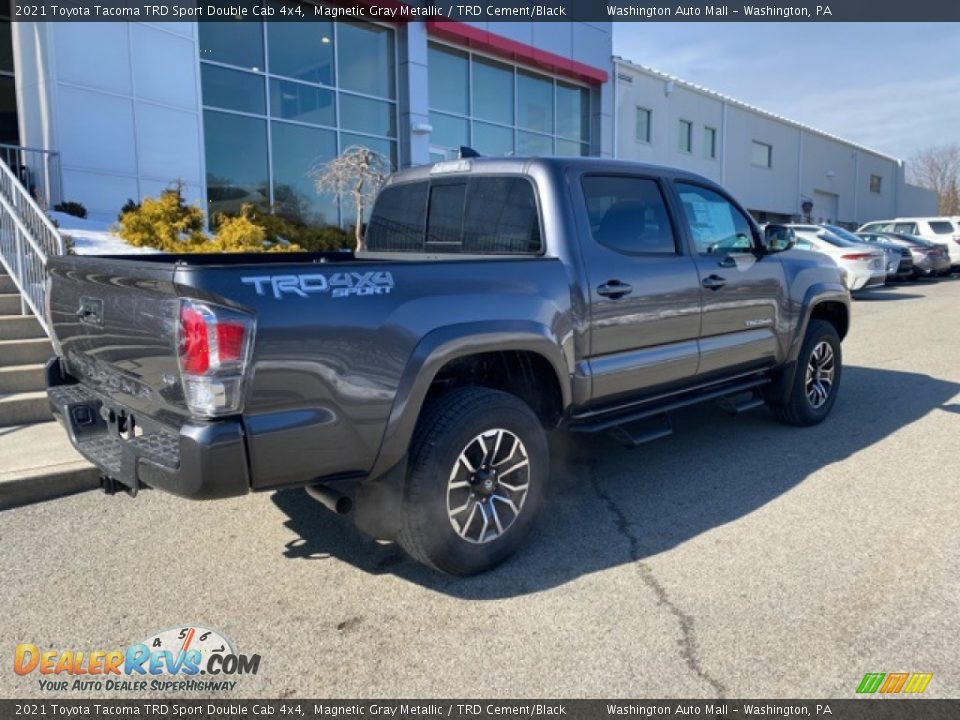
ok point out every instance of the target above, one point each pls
(24, 408)
(9, 303)
(21, 378)
(38, 463)
(19, 327)
(6, 285)
(25, 352)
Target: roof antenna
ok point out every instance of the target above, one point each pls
(468, 152)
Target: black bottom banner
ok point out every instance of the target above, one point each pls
(868, 709)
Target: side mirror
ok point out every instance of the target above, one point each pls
(777, 238)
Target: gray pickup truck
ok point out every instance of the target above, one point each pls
(413, 385)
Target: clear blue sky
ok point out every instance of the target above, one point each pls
(891, 86)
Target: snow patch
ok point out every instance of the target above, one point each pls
(93, 237)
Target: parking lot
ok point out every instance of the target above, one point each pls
(736, 558)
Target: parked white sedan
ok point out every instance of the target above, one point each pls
(864, 266)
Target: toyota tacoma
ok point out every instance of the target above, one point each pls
(413, 384)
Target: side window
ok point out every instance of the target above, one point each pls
(716, 225)
(803, 244)
(628, 214)
(396, 222)
(941, 227)
(909, 228)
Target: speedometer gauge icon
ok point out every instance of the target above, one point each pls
(190, 637)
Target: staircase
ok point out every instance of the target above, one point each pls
(24, 348)
(27, 239)
(37, 461)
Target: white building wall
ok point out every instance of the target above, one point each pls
(807, 165)
(120, 102)
(763, 189)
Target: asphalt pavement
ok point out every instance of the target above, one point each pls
(736, 558)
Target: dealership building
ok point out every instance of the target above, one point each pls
(245, 111)
(779, 169)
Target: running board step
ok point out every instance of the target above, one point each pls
(634, 434)
(736, 404)
(599, 421)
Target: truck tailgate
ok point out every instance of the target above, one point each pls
(115, 321)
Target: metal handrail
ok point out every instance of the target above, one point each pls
(38, 170)
(27, 238)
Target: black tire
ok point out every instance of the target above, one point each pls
(798, 408)
(449, 428)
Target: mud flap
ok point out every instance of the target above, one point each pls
(378, 503)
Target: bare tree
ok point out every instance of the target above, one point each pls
(357, 174)
(937, 168)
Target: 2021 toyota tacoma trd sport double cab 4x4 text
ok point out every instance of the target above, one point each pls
(414, 384)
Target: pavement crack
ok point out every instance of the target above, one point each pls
(689, 646)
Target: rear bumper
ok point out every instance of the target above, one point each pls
(198, 461)
(863, 280)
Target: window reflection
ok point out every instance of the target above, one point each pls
(449, 79)
(233, 43)
(295, 95)
(500, 109)
(534, 102)
(302, 50)
(305, 103)
(365, 59)
(236, 153)
(296, 151)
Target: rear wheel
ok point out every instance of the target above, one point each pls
(478, 467)
(816, 380)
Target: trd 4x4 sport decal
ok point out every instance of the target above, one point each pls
(341, 284)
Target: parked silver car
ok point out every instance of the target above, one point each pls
(899, 258)
(865, 267)
(928, 258)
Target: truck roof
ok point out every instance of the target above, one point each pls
(528, 165)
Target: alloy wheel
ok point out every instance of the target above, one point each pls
(488, 485)
(821, 370)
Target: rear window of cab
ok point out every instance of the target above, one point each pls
(476, 215)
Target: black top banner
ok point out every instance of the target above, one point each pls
(502, 11)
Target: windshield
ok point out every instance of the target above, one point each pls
(836, 240)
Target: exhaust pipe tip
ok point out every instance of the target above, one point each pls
(330, 499)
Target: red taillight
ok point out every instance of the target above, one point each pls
(213, 349)
(230, 341)
(857, 256)
(194, 341)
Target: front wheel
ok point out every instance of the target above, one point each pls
(479, 464)
(817, 378)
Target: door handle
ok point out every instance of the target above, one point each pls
(614, 289)
(714, 282)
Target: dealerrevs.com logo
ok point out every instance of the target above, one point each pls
(187, 658)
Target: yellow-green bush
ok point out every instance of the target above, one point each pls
(278, 229)
(165, 223)
(168, 224)
(242, 233)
